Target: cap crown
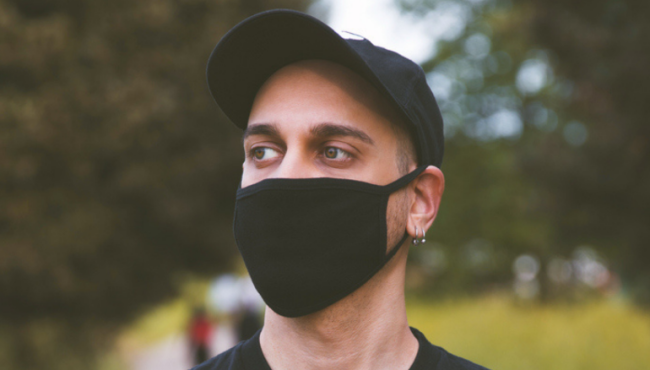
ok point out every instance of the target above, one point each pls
(405, 83)
(262, 44)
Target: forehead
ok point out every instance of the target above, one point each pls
(314, 92)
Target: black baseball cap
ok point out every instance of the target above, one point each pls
(264, 43)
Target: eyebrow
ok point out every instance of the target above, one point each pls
(261, 129)
(321, 130)
(330, 129)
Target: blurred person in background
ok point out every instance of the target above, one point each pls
(200, 335)
(248, 323)
(251, 305)
(343, 145)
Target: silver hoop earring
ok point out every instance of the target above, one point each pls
(422, 241)
(416, 240)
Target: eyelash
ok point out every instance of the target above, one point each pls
(251, 152)
(345, 153)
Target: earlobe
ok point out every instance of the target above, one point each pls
(428, 188)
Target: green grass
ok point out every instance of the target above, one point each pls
(496, 333)
(492, 331)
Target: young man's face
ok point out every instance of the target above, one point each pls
(319, 119)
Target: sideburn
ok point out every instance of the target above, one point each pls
(396, 217)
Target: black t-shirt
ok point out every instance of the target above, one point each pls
(247, 355)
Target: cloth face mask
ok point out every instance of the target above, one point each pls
(307, 243)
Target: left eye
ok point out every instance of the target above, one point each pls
(335, 153)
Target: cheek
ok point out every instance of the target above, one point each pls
(245, 181)
(385, 165)
(249, 177)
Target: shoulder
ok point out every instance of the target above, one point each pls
(449, 361)
(431, 357)
(245, 355)
(228, 360)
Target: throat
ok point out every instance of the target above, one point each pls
(365, 330)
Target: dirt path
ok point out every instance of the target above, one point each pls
(172, 353)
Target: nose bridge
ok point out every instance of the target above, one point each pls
(296, 164)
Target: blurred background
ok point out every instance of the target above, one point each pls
(118, 174)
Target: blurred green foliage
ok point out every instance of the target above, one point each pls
(117, 170)
(548, 148)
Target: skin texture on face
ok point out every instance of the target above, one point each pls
(319, 119)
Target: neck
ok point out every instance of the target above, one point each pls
(366, 330)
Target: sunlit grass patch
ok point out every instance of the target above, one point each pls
(495, 332)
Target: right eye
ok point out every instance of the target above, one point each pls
(262, 153)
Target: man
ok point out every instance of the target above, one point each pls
(343, 145)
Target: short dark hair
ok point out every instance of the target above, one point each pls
(406, 139)
(406, 153)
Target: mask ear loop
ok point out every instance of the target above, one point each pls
(404, 180)
(400, 183)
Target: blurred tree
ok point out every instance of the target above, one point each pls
(600, 189)
(490, 213)
(117, 170)
(544, 110)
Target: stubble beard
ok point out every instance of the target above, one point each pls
(396, 218)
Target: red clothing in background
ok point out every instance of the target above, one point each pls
(200, 331)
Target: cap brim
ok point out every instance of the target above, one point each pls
(260, 45)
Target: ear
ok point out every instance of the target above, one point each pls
(427, 191)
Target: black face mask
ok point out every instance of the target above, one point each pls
(307, 243)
